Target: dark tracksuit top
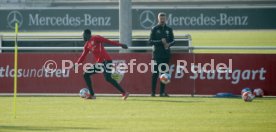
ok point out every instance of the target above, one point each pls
(157, 33)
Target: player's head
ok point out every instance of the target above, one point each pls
(162, 18)
(86, 34)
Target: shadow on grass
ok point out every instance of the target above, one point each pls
(43, 128)
(169, 101)
(237, 98)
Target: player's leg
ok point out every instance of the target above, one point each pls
(162, 85)
(108, 78)
(154, 78)
(86, 76)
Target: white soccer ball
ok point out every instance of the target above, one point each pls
(165, 78)
(248, 96)
(258, 92)
(84, 92)
(117, 76)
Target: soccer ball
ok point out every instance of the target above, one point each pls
(165, 78)
(246, 90)
(258, 92)
(84, 92)
(117, 76)
(247, 96)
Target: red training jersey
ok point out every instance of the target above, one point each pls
(96, 46)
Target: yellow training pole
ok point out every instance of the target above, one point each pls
(15, 70)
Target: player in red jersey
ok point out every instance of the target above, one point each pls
(95, 44)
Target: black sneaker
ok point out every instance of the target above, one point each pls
(152, 94)
(164, 95)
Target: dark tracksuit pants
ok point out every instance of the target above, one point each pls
(107, 76)
(155, 76)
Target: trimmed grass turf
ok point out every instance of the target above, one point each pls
(226, 38)
(235, 38)
(138, 114)
(205, 38)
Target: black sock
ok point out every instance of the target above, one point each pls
(88, 83)
(116, 85)
(162, 88)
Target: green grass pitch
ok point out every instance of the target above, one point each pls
(205, 38)
(107, 114)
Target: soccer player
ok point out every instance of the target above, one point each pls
(95, 44)
(162, 39)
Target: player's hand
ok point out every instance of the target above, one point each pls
(164, 41)
(75, 66)
(166, 46)
(124, 46)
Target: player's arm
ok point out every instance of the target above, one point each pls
(107, 41)
(152, 39)
(84, 53)
(171, 39)
(82, 57)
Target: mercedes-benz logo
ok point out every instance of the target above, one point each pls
(13, 17)
(147, 19)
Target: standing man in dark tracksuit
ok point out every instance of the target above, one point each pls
(162, 39)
